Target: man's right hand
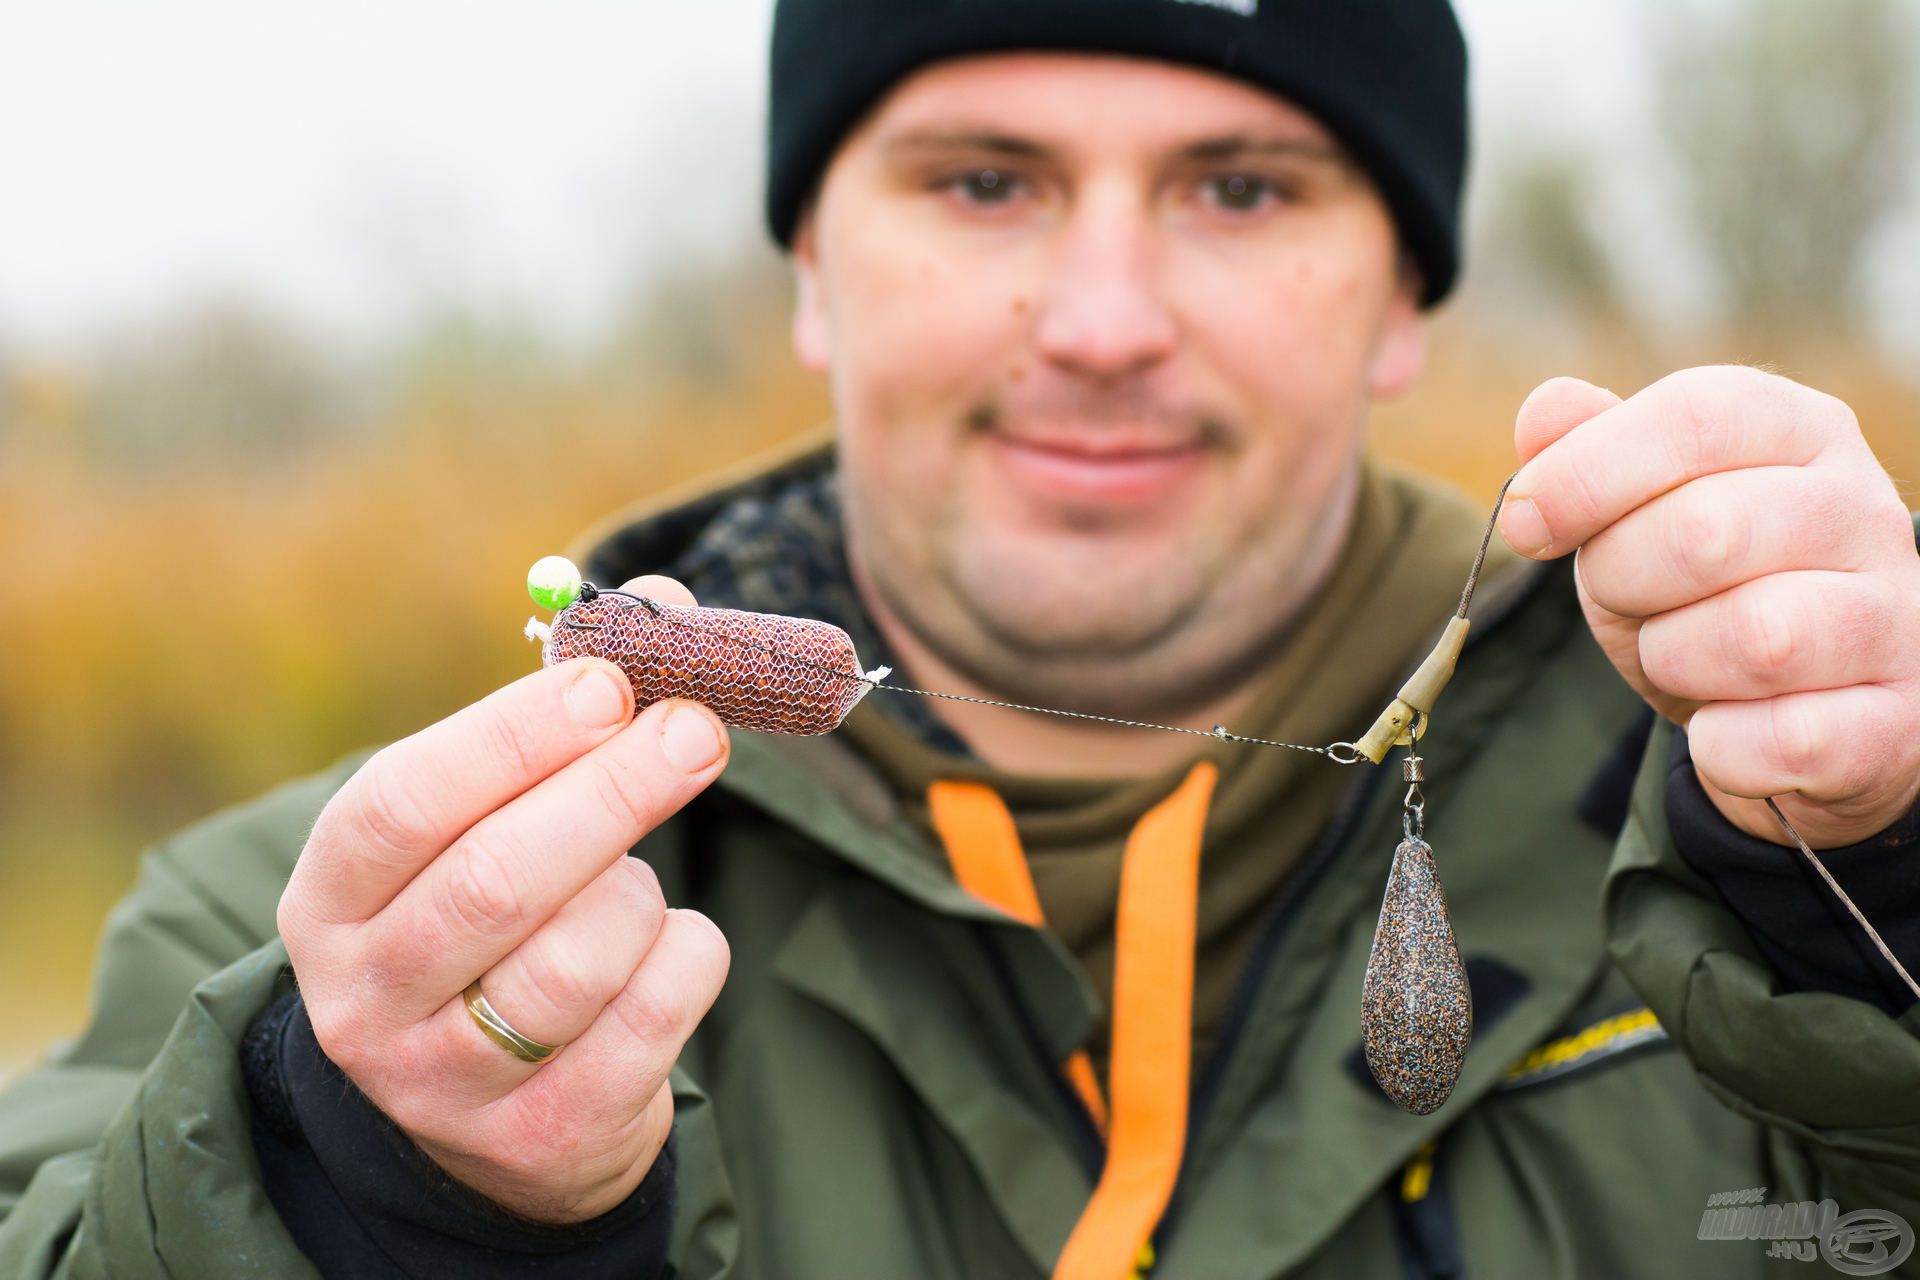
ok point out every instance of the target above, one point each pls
(493, 845)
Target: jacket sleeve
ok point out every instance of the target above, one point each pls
(1800, 926)
(130, 1153)
(94, 1143)
(361, 1200)
(1837, 1076)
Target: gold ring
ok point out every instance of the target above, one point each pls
(503, 1035)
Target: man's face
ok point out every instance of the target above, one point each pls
(1101, 334)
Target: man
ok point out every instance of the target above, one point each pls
(1104, 292)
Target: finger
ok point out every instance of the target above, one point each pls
(1828, 745)
(1716, 532)
(1554, 408)
(516, 867)
(416, 796)
(1784, 633)
(552, 986)
(1550, 410)
(1685, 426)
(657, 586)
(1619, 638)
(607, 1075)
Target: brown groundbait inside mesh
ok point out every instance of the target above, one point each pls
(665, 657)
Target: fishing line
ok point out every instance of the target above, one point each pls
(1340, 752)
(1417, 1006)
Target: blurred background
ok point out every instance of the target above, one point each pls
(319, 324)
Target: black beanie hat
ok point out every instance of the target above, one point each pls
(1386, 77)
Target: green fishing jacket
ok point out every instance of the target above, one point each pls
(877, 1092)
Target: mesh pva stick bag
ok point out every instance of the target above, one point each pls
(758, 671)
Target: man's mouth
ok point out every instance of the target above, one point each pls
(1111, 466)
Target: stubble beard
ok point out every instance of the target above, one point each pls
(1076, 628)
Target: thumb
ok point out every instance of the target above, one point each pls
(656, 586)
(1554, 408)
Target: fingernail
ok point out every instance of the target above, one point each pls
(597, 698)
(1523, 527)
(690, 739)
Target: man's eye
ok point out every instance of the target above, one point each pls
(1241, 192)
(984, 186)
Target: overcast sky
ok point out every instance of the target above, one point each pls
(355, 161)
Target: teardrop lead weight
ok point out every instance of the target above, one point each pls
(1416, 1009)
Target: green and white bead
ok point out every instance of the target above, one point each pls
(553, 582)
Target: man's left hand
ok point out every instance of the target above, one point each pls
(1749, 567)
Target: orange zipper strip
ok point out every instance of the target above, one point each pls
(1152, 1000)
(984, 848)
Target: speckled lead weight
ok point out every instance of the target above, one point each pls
(718, 657)
(1416, 1009)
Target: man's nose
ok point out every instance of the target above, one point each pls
(1104, 314)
